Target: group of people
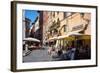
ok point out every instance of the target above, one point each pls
(62, 53)
(69, 52)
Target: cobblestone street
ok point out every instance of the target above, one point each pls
(37, 56)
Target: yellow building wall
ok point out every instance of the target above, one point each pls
(72, 21)
(75, 20)
(88, 17)
(64, 22)
(88, 30)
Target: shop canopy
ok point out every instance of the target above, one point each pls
(65, 37)
(53, 38)
(31, 39)
(73, 35)
(85, 37)
(80, 36)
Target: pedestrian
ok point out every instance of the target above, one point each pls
(73, 50)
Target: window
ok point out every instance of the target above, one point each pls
(58, 23)
(64, 15)
(65, 28)
(53, 14)
(69, 14)
(57, 12)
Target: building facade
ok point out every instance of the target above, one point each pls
(47, 22)
(61, 23)
(26, 27)
(37, 27)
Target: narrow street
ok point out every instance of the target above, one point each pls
(38, 56)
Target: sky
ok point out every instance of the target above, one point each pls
(31, 14)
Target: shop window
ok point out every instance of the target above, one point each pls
(79, 43)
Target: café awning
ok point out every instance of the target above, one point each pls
(31, 39)
(79, 35)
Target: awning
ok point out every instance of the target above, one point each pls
(31, 39)
(69, 35)
(53, 38)
(74, 34)
(85, 37)
(66, 37)
(80, 35)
